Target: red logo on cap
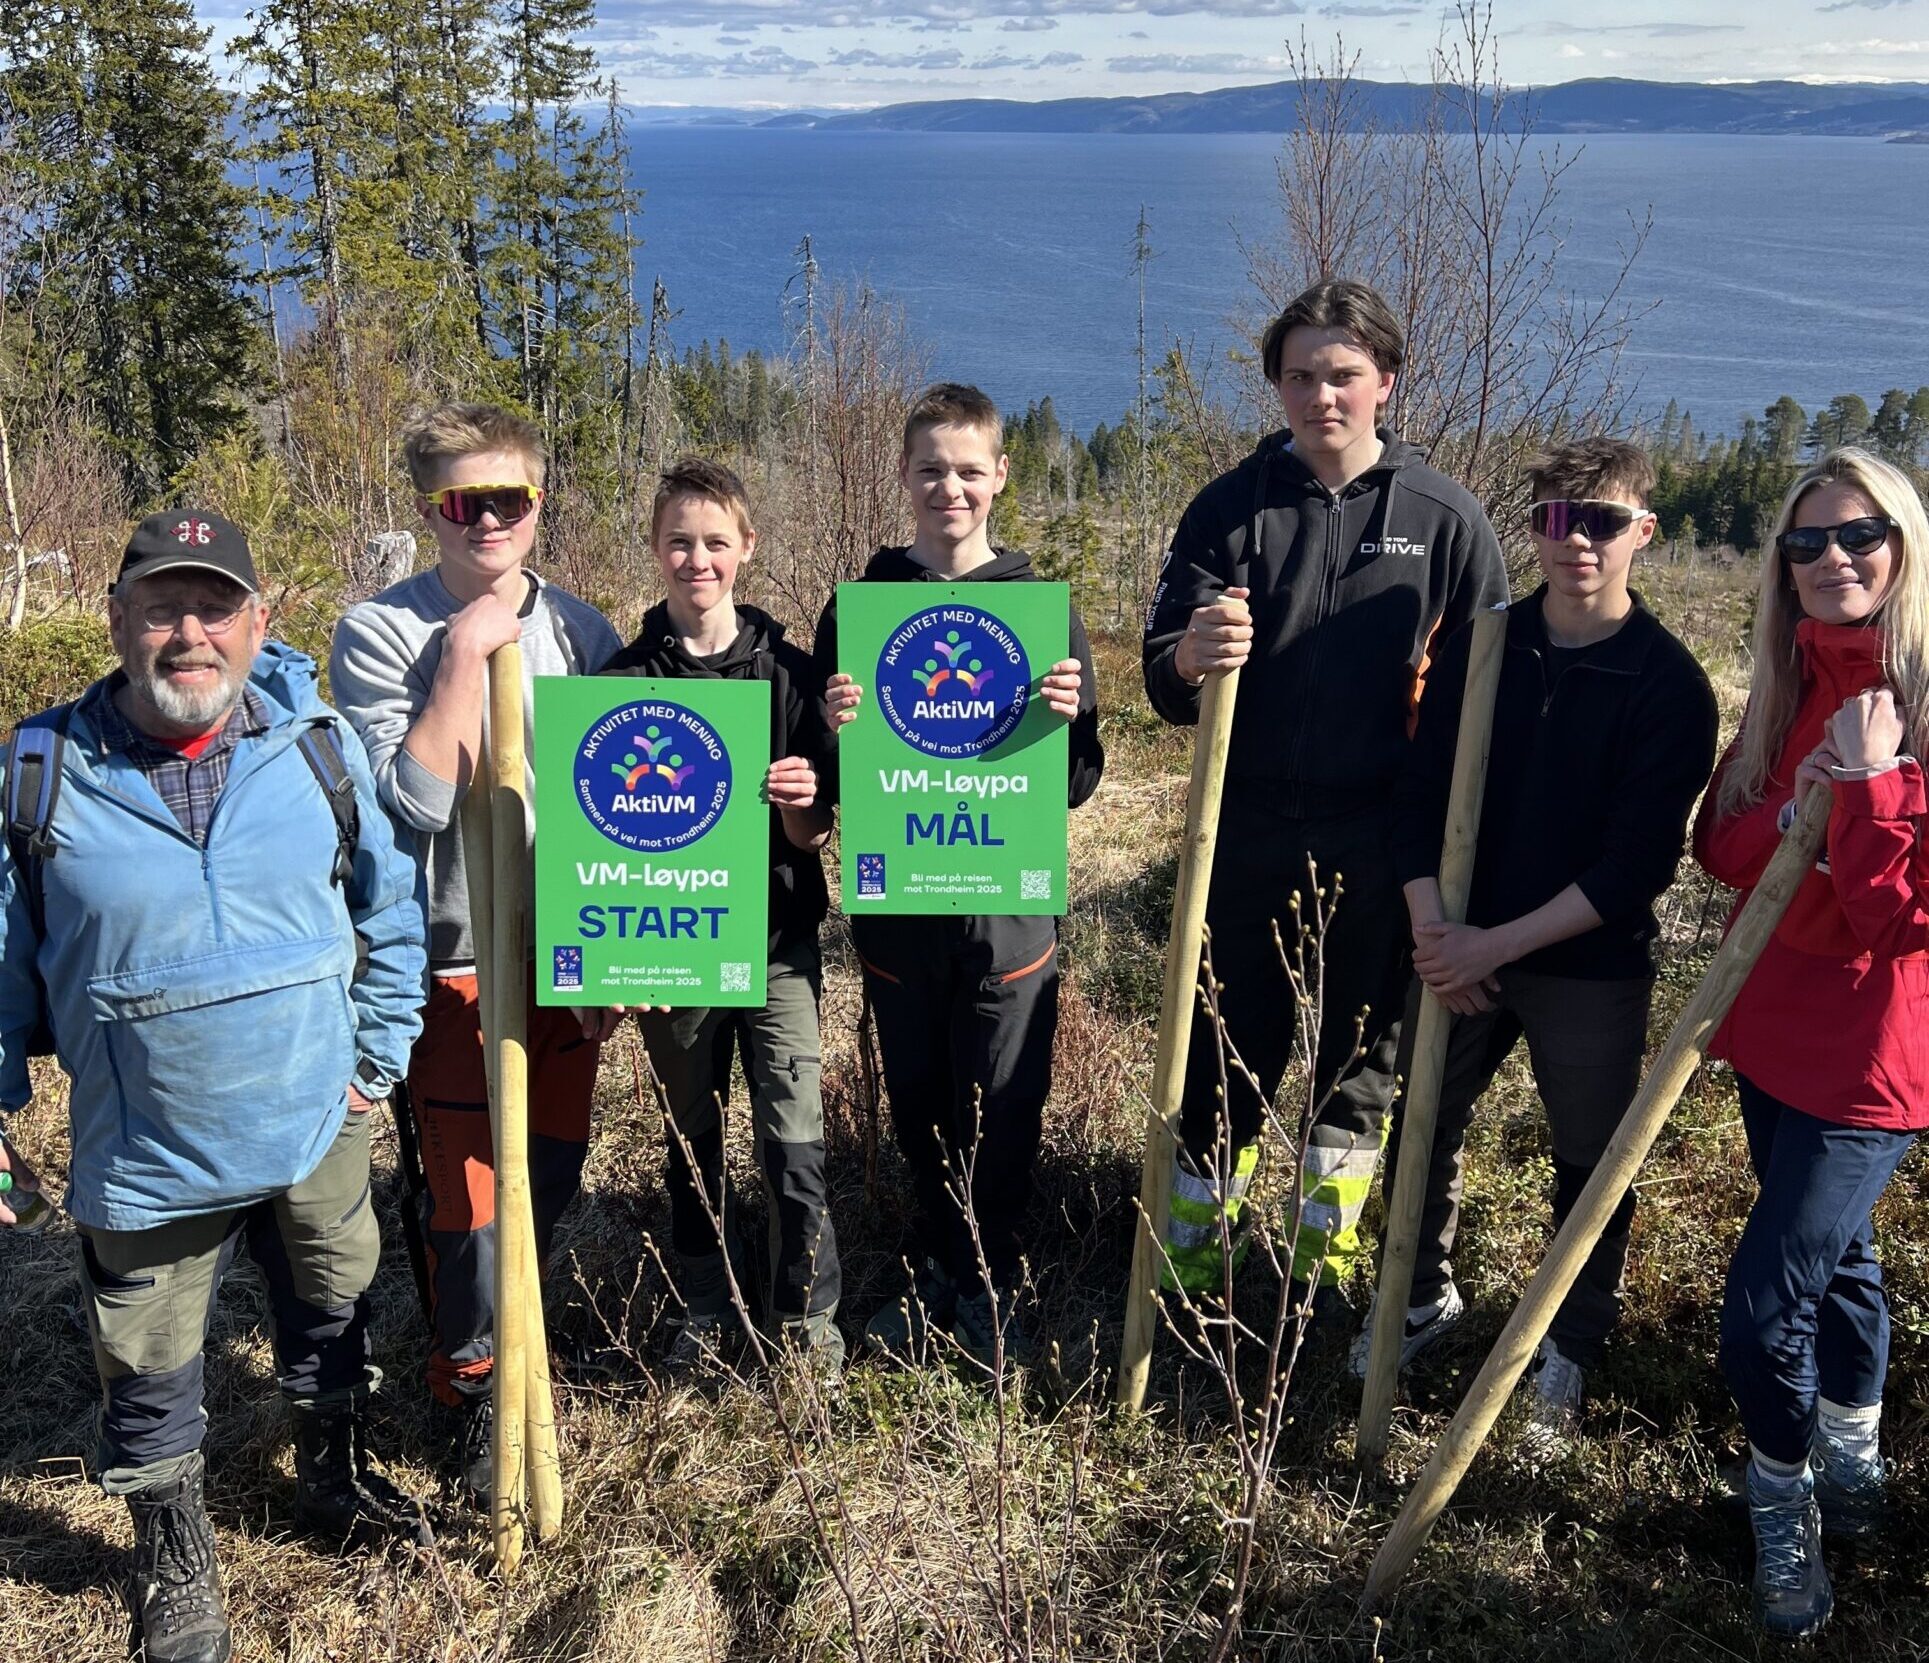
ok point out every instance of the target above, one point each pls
(194, 531)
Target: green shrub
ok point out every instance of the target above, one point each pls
(49, 660)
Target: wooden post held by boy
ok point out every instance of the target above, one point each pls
(515, 890)
(494, 825)
(1175, 1031)
(1427, 1069)
(1619, 1164)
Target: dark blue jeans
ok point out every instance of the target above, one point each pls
(1805, 1313)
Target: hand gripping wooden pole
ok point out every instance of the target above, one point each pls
(1175, 1031)
(1429, 1057)
(1646, 1115)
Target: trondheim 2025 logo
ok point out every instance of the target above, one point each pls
(953, 682)
(652, 776)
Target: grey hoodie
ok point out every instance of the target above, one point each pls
(381, 670)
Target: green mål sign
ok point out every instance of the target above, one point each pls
(653, 850)
(953, 771)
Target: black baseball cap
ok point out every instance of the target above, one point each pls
(188, 539)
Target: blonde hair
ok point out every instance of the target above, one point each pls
(448, 432)
(1775, 689)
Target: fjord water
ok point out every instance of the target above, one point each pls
(1781, 265)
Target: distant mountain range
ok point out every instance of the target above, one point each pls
(1879, 110)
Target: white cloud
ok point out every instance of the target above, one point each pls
(1027, 25)
(642, 62)
(864, 58)
(1197, 63)
(1653, 31)
(1568, 49)
(845, 14)
(1870, 48)
(1011, 60)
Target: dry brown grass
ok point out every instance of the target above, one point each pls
(689, 1537)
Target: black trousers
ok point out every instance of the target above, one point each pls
(966, 1010)
(1586, 1040)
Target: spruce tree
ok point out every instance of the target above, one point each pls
(314, 119)
(115, 111)
(1786, 422)
(1889, 427)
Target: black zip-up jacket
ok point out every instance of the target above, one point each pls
(1590, 779)
(798, 896)
(1348, 592)
(1086, 754)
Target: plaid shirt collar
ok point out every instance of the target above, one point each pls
(248, 718)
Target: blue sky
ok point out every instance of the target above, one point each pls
(863, 52)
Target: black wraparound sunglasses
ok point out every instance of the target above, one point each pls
(1805, 544)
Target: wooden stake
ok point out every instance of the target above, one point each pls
(1427, 1068)
(1659, 1093)
(544, 1473)
(533, 1464)
(492, 916)
(1175, 1031)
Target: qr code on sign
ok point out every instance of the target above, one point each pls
(1034, 886)
(733, 977)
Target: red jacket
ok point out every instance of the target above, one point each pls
(1834, 1019)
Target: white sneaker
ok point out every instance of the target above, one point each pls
(1425, 1324)
(1554, 1410)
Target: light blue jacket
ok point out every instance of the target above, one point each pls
(204, 1001)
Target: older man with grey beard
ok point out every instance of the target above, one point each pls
(202, 900)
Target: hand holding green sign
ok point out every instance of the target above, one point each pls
(954, 786)
(652, 870)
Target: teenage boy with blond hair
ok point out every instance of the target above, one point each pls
(1324, 563)
(701, 536)
(966, 1007)
(1604, 733)
(410, 669)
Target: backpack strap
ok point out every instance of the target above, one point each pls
(322, 751)
(34, 757)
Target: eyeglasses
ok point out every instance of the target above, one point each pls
(1558, 520)
(1806, 544)
(217, 617)
(466, 504)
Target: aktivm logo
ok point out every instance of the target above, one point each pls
(953, 682)
(652, 776)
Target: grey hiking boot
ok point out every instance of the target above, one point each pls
(1554, 1406)
(1850, 1488)
(1791, 1588)
(979, 1334)
(1425, 1324)
(818, 1340)
(708, 1343)
(340, 1494)
(174, 1593)
(903, 1327)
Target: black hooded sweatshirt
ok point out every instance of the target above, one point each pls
(1348, 592)
(1086, 761)
(798, 897)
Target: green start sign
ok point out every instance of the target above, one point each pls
(653, 856)
(954, 769)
